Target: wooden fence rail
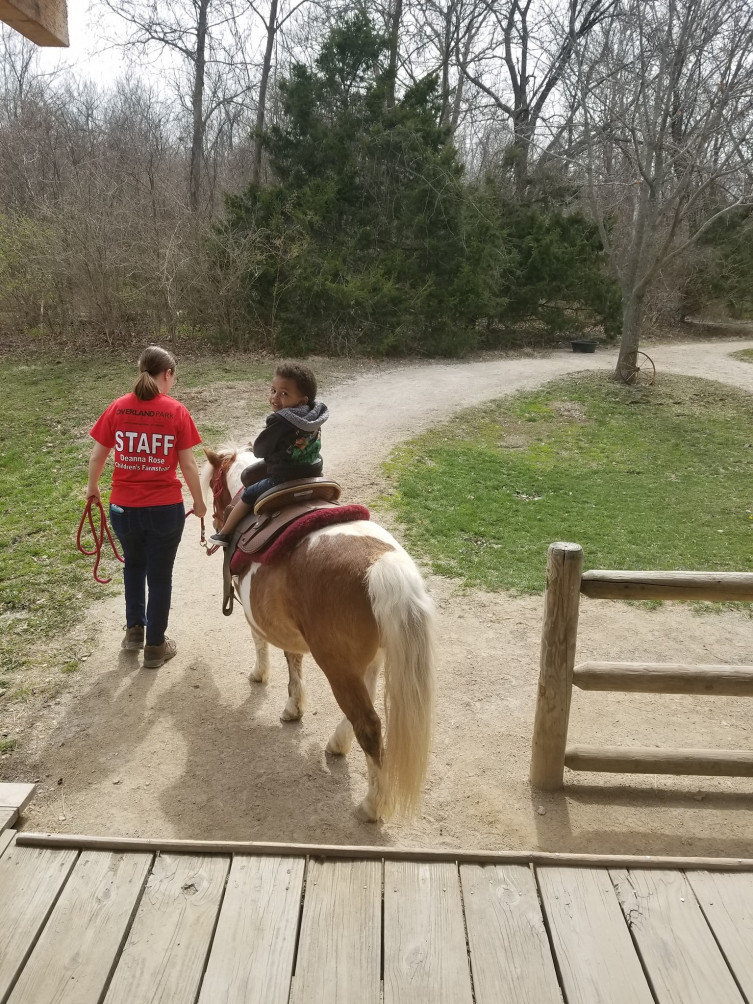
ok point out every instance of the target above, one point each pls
(558, 672)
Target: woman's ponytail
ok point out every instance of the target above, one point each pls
(154, 360)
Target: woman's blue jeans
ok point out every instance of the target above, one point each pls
(149, 536)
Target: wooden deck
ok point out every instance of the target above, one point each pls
(129, 922)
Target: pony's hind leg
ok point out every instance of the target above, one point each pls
(295, 707)
(369, 809)
(342, 738)
(353, 697)
(260, 672)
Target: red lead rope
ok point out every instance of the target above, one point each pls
(99, 538)
(104, 530)
(203, 538)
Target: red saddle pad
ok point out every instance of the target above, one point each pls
(293, 533)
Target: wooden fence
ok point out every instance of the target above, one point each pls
(558, 673)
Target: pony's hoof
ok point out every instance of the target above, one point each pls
(291, 714)
(336, 748)
(257, 677)
(366, 812)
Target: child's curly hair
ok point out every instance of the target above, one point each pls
(304, 379)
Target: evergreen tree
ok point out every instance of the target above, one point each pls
(371, 240)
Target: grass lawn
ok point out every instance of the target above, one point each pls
(645, 478)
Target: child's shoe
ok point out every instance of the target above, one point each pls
(223, 539)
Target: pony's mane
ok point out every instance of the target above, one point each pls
(230, 454)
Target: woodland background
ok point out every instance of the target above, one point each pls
(426, 177)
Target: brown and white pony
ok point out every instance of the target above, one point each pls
(351, 596)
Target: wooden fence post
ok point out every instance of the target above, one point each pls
(564, 568)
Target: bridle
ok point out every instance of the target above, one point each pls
(221, 496)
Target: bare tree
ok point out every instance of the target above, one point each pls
(440, 36)
(524, 49)
(273, 21)
(197, 31)
(667, 107)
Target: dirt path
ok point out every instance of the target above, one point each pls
(194, 751)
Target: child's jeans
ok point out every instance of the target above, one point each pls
(149, 536)
(254, 492)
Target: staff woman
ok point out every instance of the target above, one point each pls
(152, 435)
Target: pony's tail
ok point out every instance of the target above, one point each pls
(405, 616)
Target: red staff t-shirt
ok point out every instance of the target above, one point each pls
(146, 437)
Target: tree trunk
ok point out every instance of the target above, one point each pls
(444, 118)
(397, 16)
(632, 320)
(263, 84)
(518, 153)
(197, 107)
(457, 103)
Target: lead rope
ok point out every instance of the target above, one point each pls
(104, 529)
(203, 537)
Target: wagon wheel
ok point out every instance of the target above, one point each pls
(637, 369)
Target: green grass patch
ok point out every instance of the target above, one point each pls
(642, 478)
(46, 411)
(8, 745)
(744, 355)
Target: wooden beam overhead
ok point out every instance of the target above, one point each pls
(43, 21)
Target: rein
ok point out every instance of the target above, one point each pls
(104, 529)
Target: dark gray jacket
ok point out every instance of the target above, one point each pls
(290, 442)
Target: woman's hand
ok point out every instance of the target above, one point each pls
(199, 508)
(190, 472)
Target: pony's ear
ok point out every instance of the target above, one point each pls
(213, 458)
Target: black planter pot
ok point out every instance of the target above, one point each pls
(584, 345)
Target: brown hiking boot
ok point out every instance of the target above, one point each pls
(157, 655)
(134, 638)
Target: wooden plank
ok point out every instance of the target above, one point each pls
(6, 838)
(678, 949)
(75, 954)
(252, 956)
(649, 760)
(595, 955)
(362, 852)
(558, 637)
(168, 944)
(30, 881)
(425, 957)
(608, 584)
(510, 957)
(8, 816)
(339, 950)
(16, 796)
(727, 902)
(43, 21)
(665, 678)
